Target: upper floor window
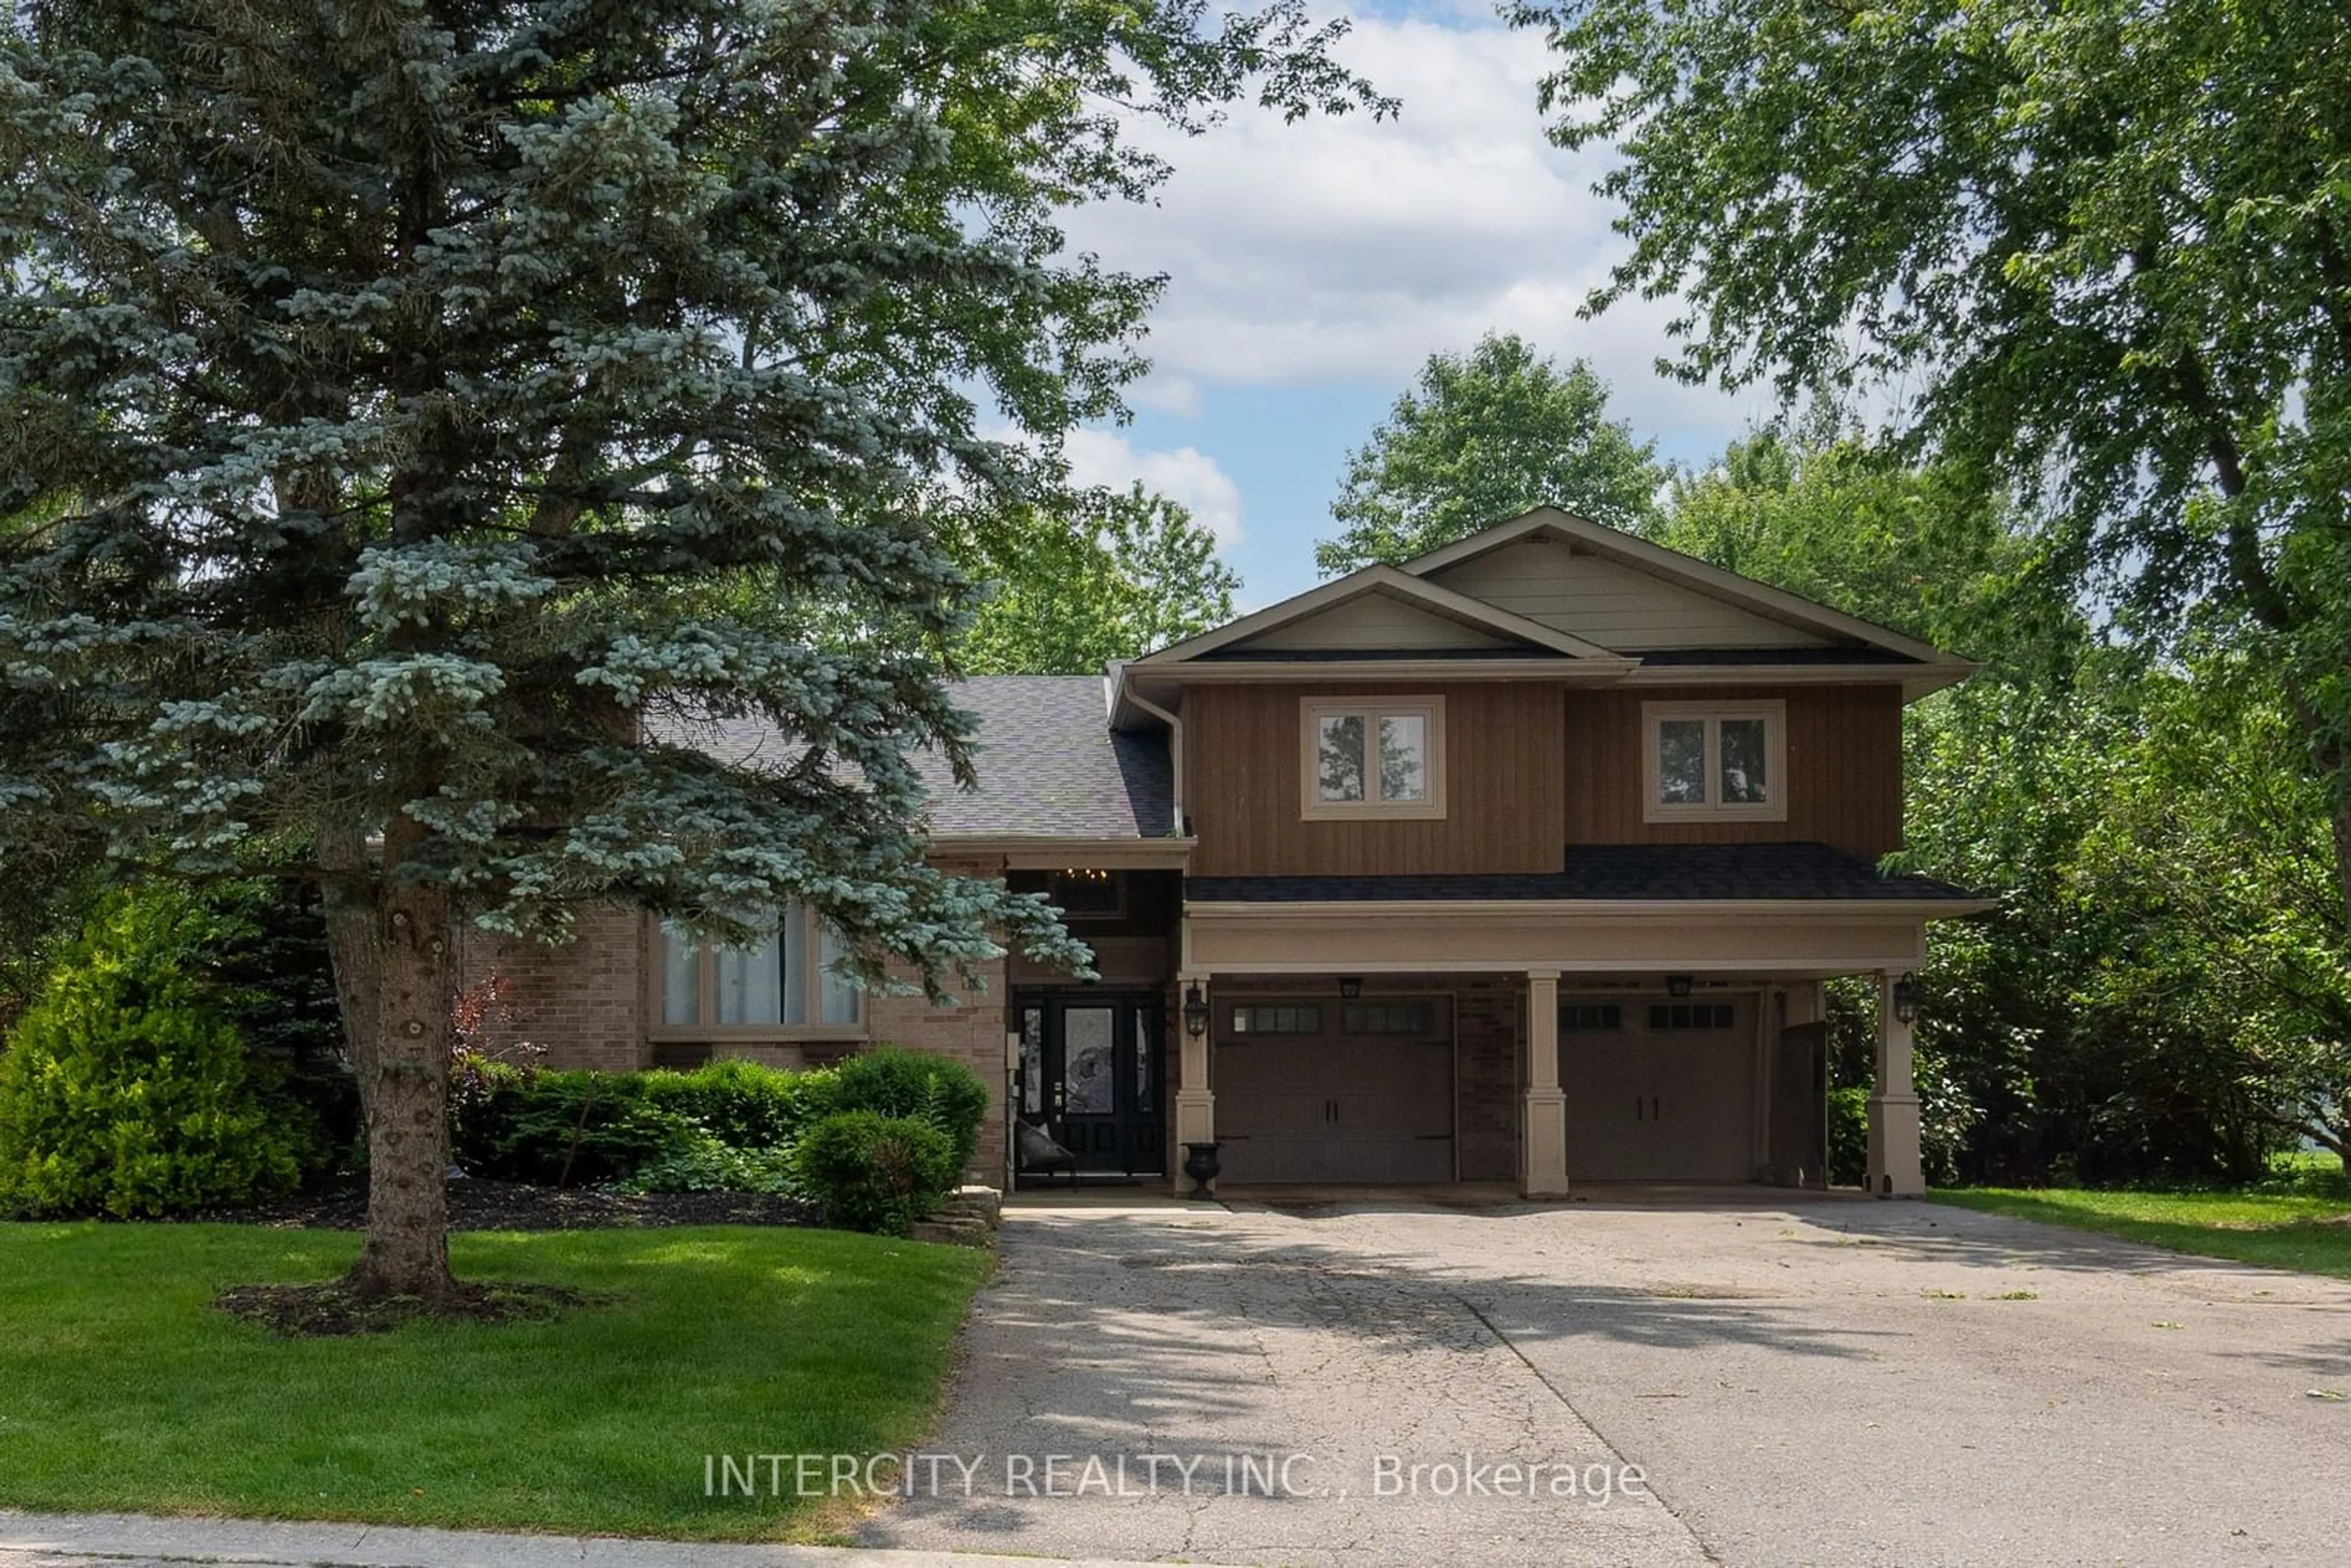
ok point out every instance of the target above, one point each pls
(1380, 757)
(782, 982)
(1720, 760)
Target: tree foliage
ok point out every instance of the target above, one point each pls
(126, 1088)
(2161, 992)
(1822, 512)
(437, 410)
(1123, 574)
(1481, 438)
(2101, 248)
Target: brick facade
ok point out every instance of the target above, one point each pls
(1486, 1033)
(586, 1002)
(971, 1031)
(583, 1001)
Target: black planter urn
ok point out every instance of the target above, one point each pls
(1201, 1164)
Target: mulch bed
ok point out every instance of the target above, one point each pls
(476, 1205)
(301, 1312)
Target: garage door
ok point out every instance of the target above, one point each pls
(1337, 1109)
(1659, 1089)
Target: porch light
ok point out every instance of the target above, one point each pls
(1677, 985)
(1906, 998)
(1196, 1011)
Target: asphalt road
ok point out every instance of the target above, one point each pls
(1736, 1378)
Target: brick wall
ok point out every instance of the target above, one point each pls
(1486, 1065)
(583, 1001)
(972, 1032)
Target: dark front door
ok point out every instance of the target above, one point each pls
(1090, 1068)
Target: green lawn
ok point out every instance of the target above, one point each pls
(2303, 1221)
(122, 1387)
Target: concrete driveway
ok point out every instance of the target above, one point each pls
(1747, 1380)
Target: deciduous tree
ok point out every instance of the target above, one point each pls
(2098, 251)
(1117, 575)
(1481, 438)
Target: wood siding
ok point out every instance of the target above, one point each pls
(1503, 788)
(1604, 601)
(1844, 768)
(1376, 621)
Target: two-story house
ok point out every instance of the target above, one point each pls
(1522, 862)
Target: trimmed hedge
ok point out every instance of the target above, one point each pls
(873, 1144)
(896, 1083)
(578, 1129)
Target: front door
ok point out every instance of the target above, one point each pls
(1090, 1068)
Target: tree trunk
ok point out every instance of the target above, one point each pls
(390, 941)
(2343, 842)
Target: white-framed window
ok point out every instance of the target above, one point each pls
(1371, 757)
(783, 984)
(1714, 761)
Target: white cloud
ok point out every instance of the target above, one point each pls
(1343, 250)
(1178, 396)
(1184, 474)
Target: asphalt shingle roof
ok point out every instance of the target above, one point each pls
(1611, 871)
(1048, 763)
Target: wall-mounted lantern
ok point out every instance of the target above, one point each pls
(1196, 1010)
(1677, 985)
(1351, 987)
(1906, 998)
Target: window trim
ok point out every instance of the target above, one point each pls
(1313, 711)
(657, 1029)
(1773, 712)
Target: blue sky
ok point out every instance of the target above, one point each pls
(1313, 267)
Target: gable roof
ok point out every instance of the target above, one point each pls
(1486, 626)
(1631, 612)
(1745, 594)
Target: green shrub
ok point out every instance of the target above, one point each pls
(866, 1171)
(324, 1097)
(895, 1083)
(703, 1164)
(741, 1103)
(586, 1128)
(127, 1090)
(1849, 1135)
(575, 1129)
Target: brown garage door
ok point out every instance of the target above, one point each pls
(1345, 1109)
(1659, 1089)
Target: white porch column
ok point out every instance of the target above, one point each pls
(1895, 1170)
(1196, 1107)
(1543, 1120)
